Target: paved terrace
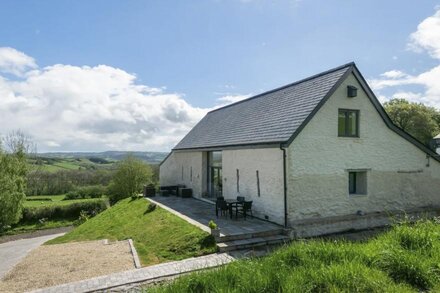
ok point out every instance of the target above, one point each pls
(199, 213)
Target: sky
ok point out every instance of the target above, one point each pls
(138, 75)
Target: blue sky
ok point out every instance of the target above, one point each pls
(193, 53)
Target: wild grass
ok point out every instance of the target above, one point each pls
(157, 234)
(404, 259)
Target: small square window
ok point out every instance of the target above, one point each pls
(357, 182)
(348, 123)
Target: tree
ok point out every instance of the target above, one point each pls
(13, 170)
(131, 174)
(420, 121)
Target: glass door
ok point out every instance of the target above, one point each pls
(216, 182)
(215, 178)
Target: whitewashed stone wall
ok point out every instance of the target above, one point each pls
(269, 163)
(318, 160)
(177, 168)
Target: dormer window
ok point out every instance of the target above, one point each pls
(348, 123)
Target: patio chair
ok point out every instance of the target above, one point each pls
(240, 198)
(222, 206)
(244, 208)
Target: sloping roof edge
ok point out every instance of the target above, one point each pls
(370, 94)
(347, 65)
(376, 104)
(286, 86)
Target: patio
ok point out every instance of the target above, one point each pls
(199, 213)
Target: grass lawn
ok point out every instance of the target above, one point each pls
(34, 226)
(404, 259)
(35, 202)
(158, 235)
(56, 200)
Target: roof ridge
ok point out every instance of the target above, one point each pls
(287, 85)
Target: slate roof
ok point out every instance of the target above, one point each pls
(437, 137)
(270, 117)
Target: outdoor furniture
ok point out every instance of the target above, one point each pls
(244, 208)
(149, 190)
(179, 189)
(164, 192)
(172, 189)
(233, 203)
(222, 206)
(240, 198)
(186, 192)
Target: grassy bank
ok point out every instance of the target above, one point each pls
(157, 234)
(405, 259)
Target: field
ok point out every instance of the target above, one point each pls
(43, 202)
(50, 200)
(56, 164)
(405, 259)
(158, 235)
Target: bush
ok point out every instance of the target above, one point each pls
(39, 199)
(151, 207)
(130, 176)
(71, 211)
(95, 191)
(83, 217)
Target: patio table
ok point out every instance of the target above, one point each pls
(231, 203)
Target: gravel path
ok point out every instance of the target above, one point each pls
(34, 234)
(12, 252)
(51, 265)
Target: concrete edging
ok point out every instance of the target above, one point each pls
(186, 218)
(145, 275)
(137, 262)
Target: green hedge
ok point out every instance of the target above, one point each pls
(71, 211)
(93, 191)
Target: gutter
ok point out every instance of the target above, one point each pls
(285, 184)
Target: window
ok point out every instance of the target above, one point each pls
(357, 182)
(348, 123)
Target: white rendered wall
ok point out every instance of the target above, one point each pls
(319, 160)
(177, 168)
(269, 163)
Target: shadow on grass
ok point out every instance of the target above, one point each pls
(207, 242)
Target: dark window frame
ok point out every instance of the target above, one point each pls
(352, 184)
(346, 113)
(358, 182)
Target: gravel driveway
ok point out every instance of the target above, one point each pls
(56, 264)
(12, 252)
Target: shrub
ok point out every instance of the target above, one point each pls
(151, 207)
(212, 225)
(130, 176)
(83, 217)
(94, 191)
(39, 199)
(71, 211)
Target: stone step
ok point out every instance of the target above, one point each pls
(251, 242)
(243, 236)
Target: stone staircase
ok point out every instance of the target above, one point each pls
(251, 240)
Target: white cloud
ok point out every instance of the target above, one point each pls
(15, 62)
(427, 36)
(68, 107)
(231, 98)
(425, 39)
(393, 74)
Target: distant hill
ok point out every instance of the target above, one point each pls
(149, 157)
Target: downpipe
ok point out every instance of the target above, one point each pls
(285, 184)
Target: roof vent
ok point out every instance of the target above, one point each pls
(351, 91)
